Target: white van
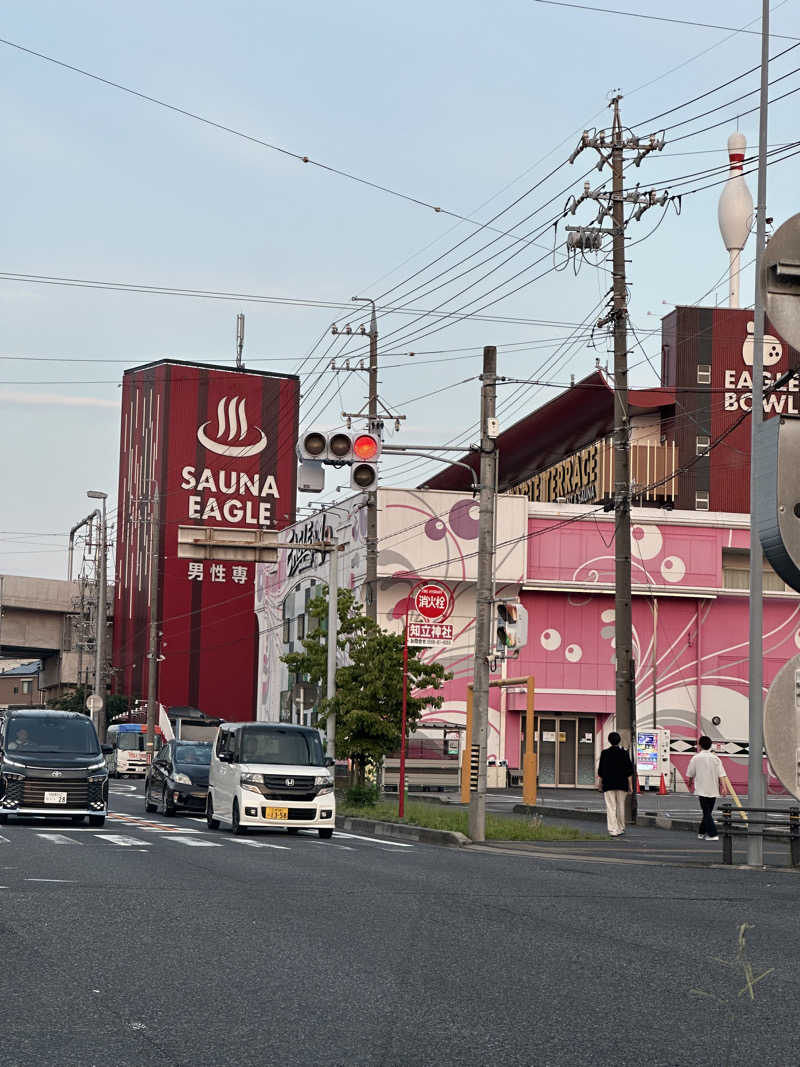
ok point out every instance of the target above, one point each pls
(270, 774)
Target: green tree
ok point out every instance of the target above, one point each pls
(369, 690)
(76, 701)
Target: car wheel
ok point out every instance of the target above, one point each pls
(213, 824)
(148, 803)
(166, 804)
(97, 820)
(292, 830)
(326, 833)
(76, 819)
(236, 827)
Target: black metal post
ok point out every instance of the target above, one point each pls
(794, 836)
(727, 834)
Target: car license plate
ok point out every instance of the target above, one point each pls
(55, 798)
(276, 813)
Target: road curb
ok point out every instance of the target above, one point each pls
(421, 834)
(566, 813)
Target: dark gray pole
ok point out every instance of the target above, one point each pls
(483, 598)
(622, 480)
(100, 636)
(372, 498)
(756, 783)
(152, 655)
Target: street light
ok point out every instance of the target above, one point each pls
(102, 549)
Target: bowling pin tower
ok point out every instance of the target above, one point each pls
(735, 213)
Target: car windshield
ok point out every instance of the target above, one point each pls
(198, 755)
(301, 748)
(130, 741)
(75, 737)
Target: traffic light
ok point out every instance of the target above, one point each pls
(325, 447)
(511, 627)
(364, 471)
(359, 451)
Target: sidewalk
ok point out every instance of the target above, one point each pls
(647, 842)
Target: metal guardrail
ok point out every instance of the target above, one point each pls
(782, 825)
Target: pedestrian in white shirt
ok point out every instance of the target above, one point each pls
(709, 783)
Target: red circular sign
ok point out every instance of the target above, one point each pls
(432, 602)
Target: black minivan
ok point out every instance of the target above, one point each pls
(51, 763)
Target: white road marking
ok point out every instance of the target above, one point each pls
(259, 844)
(5, 841)
(58, 839)
(194, 841)
(121, 839)
(60, 881)
(374, 840)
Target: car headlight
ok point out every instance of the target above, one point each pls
(324, 783)
(181, 779)
(256, 780)
(11, 763)
(101, 765)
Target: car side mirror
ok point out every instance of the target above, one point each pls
(106, 749)
(329, 761)
(224, 757)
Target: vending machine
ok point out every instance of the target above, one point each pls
(652, 758)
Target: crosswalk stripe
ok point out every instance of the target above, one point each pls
(59, 839)
(374, 840)
(195, 841)
(121, 839)
(259, 844)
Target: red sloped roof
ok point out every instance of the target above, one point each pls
(573, 419)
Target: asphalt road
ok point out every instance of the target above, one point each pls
(158, 942)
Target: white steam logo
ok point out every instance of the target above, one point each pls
(232, 418)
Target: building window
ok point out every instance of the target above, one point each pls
(301, 627)
(704, 374)
(27, 686)
(736, 572)
(701, 501)
(287, 631)
(703, 444)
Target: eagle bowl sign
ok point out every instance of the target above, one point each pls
(433, 602)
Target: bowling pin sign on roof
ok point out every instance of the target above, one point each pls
(735, 212)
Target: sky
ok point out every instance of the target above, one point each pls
(466, 106)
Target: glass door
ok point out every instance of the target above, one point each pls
(567, 751)
(547, 751)
(587, 767)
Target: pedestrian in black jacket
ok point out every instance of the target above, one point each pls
(615, 778)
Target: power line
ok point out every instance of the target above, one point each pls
(659, 18)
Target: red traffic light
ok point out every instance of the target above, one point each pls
(365, 446)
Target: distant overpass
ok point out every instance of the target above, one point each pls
(38, 621)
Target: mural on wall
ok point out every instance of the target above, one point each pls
(428, 534)
(693, 648)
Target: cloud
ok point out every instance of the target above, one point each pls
(56, 400)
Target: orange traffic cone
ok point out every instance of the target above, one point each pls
(662, 789)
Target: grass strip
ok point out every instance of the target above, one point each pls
(435, 817)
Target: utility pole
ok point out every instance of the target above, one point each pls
(756, 782)
(152, 654)
(623, 632)
(483, 598)
(375, 424)
(589, 239)
(99, 715)
(333, 637)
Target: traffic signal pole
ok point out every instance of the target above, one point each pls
(756, 782)
(483, 598)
